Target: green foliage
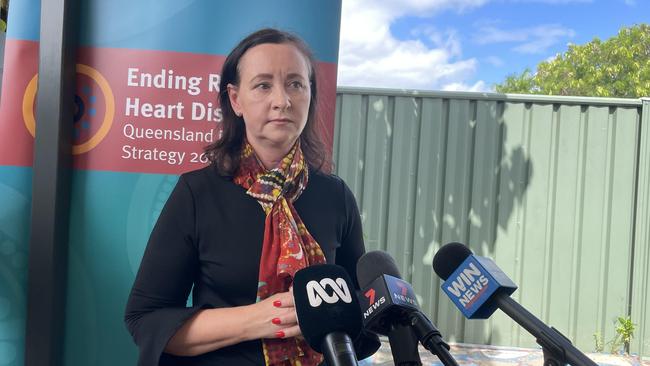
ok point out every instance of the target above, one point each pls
(617, 67)
(615, 345)
(518, 84)
(624, 334)
(600, 342)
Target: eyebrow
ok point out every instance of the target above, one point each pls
(264, 76)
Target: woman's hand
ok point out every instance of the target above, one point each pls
(275, 317)
(211, 329)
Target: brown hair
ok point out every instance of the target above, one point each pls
(225, 152)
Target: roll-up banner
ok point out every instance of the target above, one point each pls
(145, 106)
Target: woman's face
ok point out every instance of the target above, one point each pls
(273, 94)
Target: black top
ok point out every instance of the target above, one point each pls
(209, 235)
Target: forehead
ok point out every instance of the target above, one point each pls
(271, 58)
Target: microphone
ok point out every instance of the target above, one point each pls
(328, 312)
(403, 343)
(390, 305)
(478, 287)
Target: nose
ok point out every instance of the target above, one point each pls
(280, 99)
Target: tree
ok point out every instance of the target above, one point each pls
(4, 10)
(617, 67)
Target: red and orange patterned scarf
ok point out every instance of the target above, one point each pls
(287, 247)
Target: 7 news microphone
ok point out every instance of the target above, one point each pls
(390, 306)
(478, 287)
(328, 312)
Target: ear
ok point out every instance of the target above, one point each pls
(233, 96)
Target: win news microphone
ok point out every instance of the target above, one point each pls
(389, 305)
(328, 311)
(478, 287)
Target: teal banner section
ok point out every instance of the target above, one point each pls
(112, 215)
(15, 209)
(196, 26)
(206, 26)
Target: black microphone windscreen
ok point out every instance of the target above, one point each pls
(326, 302)
(374, 264)
(448, 258)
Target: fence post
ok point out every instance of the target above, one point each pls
(640, 312)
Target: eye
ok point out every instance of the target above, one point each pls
(263, 86)
(296, 84)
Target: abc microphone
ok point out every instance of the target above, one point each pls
(391, 306)
(478, 287)
(328, 312)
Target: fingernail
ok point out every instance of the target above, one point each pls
(276, 321)
(279, 334)
(277, 303)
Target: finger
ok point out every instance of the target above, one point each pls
(278, 300)
(288, 318)
(291, 331)
(282, 300)
(287, 299)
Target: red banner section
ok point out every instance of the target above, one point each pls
(135, 110)
(16, 144)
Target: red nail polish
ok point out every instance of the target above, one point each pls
(279, 334)
(276, 321)
(277, 303)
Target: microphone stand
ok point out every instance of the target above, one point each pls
(557, 349)
(431, 338)
(404, 345)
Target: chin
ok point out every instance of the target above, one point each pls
(282, 136)
(283, 140)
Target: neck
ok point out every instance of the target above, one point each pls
(270, 155)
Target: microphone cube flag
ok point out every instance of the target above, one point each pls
(326, 302)
(473, 285)
(386, 294)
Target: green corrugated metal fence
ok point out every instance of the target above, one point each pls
(555, 189)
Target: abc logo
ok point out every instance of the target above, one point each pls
(316, 291)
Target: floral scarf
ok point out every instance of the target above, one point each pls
(287, 246)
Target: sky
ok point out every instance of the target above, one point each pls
(467, 45)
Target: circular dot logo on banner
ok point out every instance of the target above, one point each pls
(93, 113)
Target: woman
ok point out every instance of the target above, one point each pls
(236, 231)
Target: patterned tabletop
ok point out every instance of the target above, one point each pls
(475, 355)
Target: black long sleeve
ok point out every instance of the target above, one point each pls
(208, 240)
(157, 303)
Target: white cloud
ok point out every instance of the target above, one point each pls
(479, 86)
(533, 40)
(494, 61)
(447, 40)
(630, 2)
(490, 34)
(371, 56)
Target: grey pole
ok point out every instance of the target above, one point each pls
(48, 247)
